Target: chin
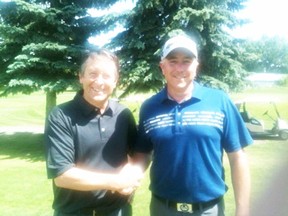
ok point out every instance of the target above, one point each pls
(99, 98)
(181, 85)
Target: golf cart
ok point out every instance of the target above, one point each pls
(256, 127)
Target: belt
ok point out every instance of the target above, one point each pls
(103, 212)
(188, 207)
(82, 212)
(86, 212)
(94, 212)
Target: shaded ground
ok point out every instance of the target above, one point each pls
(22, 145)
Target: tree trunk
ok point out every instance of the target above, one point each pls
(51, 98)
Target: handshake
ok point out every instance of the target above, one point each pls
(128, 179)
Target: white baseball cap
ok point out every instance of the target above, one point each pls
(179, 41)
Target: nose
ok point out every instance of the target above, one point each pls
(98, 80)
(180, 67)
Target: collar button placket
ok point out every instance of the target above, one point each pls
(178, 119)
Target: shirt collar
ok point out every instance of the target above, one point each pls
(87, 108)
(196, 93)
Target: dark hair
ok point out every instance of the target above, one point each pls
(99, 53)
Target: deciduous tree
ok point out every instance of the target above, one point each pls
(268, 54)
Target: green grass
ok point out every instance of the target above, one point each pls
(26, 110)
(258, 102)
(25, 189)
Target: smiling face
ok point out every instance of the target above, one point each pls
(179, 69)
(99, 77)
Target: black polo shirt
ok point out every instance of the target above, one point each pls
(76, 134)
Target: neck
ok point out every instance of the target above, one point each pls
(180, 95)
(180, 98)
(102, 107)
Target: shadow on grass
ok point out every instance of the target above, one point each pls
(267, 137)
(22, 145)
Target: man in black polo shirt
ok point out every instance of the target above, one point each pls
(88, 141)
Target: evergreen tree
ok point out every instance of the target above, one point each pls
(151, 23)
(42, 43)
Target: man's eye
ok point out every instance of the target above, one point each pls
(106, 76)
(93, 75)
(173, 62)
(187, 61)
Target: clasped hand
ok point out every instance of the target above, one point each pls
(129, 179)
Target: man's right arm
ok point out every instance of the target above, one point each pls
(86, 180)
(141, 159)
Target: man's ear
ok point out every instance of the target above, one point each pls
(80, 77)
(161, 66)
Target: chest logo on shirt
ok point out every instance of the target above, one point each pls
(192, 118)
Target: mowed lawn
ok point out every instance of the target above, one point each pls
(25, 190)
